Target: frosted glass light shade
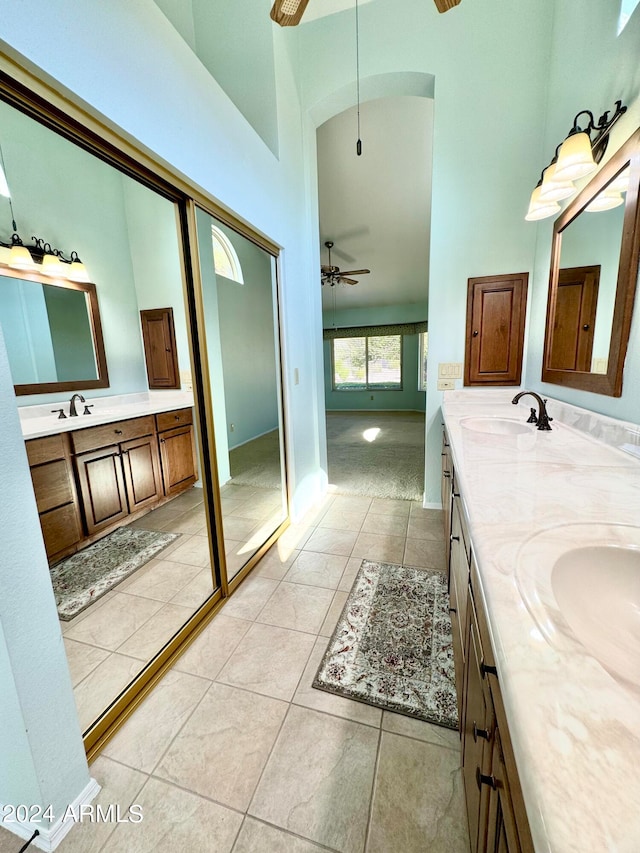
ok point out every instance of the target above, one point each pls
(605, 200)
(575, 158)
(20, 258)
(5, 254)
(53, 266)
(553, 188)
(539, 208)
(77, 271)
(621, 183)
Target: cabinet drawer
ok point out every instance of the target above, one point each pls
(41, 450)
(178, 417)
(60, 529)
(52, 485)
(96, 437)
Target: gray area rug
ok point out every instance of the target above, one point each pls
(389, 466)
(392, 646)
(84, 577)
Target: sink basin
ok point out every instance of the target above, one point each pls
(581, 584)
(597, 590)
(496, 426)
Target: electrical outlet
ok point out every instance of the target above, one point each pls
(372, 396)
(446, 384)
(232, 427)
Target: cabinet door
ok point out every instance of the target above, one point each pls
(502, 834)
(445, 492)
(101, 479)
(496, 308)
(458, 583)
(141, 471)
(160, 350)
(477, 733)
(177, 452)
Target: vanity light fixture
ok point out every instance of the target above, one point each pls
(577, 156)
(41, 257)
(606, 200)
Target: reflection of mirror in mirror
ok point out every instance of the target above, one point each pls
(48, 332)
(242, 340)
(588, 276)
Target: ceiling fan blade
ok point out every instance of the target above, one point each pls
(445, 5)
(347, 280)
(288, 13)
(356, 272)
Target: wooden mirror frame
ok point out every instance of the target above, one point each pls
(102, 380)
(611, 382)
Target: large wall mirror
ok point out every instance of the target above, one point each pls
(52, 332)
(594, 271)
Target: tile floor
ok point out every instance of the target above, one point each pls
(109, 643)
(234, 751)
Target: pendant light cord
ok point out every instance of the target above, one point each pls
(359, 142)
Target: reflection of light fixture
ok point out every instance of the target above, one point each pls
(574, 158)
(620, 184)
(41, 257)
(606, 200)
(287, 13)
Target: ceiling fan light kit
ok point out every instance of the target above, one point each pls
(331, 275)
(288, 13)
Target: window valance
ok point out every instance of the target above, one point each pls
(371, 331)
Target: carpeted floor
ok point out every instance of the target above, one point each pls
(388, 465)
(257, 463)
(392, 645)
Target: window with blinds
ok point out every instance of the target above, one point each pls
(367, 363)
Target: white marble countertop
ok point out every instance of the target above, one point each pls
(38, 421)
(575, 726)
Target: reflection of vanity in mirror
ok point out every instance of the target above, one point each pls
(52, 332)
(594, 269)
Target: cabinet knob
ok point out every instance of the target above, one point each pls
(176, 417)
(482, 779)
(452, 610)
(483, 733)
(446, 473)
(475, 333)
(454, 538)
(162, 441)
(118, 432)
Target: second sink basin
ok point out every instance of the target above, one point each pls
(581, 584)
(597, 589)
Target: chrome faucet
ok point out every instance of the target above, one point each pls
(72, 405)
(542, 420)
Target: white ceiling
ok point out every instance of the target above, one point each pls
(322, 8)
(376, 207)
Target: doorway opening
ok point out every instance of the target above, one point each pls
(374, 210)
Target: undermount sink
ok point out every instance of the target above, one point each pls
(496, 426)
(597, 589)
(581, 584)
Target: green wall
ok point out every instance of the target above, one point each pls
(409, 398)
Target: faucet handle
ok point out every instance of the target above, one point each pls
(532, 419)
(61, 415)
(87, 407)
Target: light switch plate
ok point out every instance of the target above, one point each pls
(446, 384)
(450, 370)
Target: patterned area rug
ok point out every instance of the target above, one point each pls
(392, 646)
(86, 576)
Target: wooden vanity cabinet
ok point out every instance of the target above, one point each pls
(495, 805)
(446, 490)
(177, 450)
(118, 470)
(55, 493)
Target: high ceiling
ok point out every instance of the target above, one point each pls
(376, 208)
(322, 8)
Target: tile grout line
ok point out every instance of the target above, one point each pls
(374, 786)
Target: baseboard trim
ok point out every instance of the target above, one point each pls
(50, 837)
(432, 505)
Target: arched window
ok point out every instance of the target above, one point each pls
(225, 259)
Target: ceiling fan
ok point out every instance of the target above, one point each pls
(288, 13)
(331, 275)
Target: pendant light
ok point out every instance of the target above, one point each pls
(359, 142)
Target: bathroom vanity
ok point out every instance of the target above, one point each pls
(544, 544)
(95, 472)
